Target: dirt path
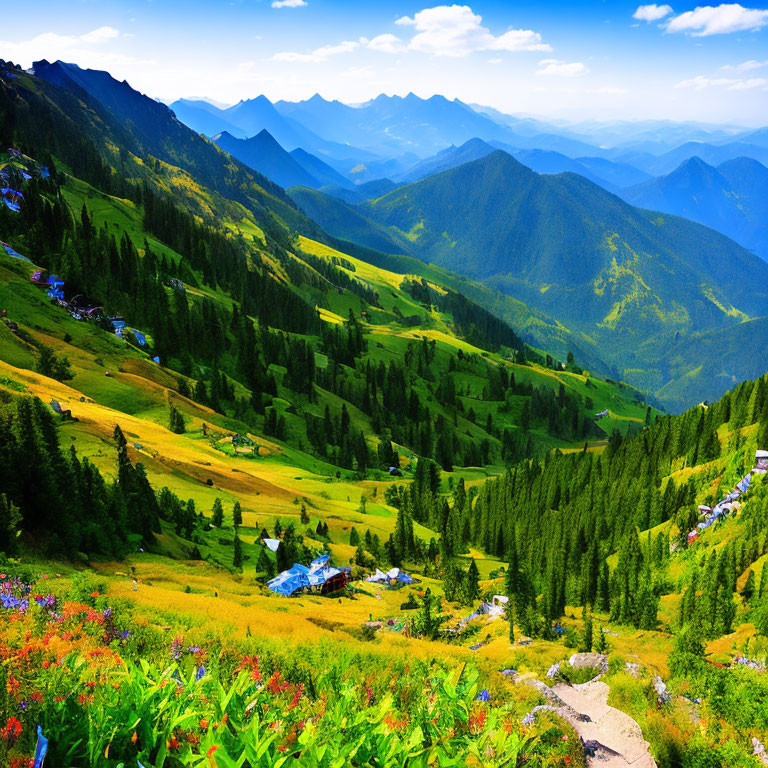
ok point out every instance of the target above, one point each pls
(617, 738)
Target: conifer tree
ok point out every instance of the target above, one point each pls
(472, 582)
(586, 617)
(510, 613)
(237, 514)
(217, 513)
(264, 564)
(602, 644)
(176, 420)
(237, 555)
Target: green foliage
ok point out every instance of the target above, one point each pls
(53, 365)
(10, 519)
(217, 513)
(176, 420)
(62, 499)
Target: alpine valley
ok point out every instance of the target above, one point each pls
(403, 432)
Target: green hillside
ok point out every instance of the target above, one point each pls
(222, 391)
(573, 251)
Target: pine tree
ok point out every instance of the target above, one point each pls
(237, 514)
(265, 565)
(587, 619)
(472, 583)
(602, 644)
(217, 513)
(176, 420)
(237, 555)
(354, 537)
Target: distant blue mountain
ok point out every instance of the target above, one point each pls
(395, 124)
(252, 116)
(198, 116)
(731, 198)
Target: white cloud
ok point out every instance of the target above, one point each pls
(319, 54)
(561, 68)
(700, 83)
(100, 35)
(386, 44)
(88, 50)
(289, 4)
(652, 12)
(746, 66)
(454, 30)
(718, 20)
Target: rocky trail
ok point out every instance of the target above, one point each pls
(613, 737)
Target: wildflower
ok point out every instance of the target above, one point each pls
(296, 696)
(134, 738)
(477, 721)
(94, 594)
(11, 731)
(204, 724)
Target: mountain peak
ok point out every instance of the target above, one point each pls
(265, 137)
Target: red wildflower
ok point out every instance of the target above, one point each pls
(12, 684)
(477, 721)
(296, 698)
(274, 685)
(253, 663)
(395, 725)
(11, 731)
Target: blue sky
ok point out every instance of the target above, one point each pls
(569, 60)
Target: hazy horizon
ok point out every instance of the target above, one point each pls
(559, 60)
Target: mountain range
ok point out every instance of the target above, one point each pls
(386, 397)
(731, 198)
(571, 264)
(568, 248)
